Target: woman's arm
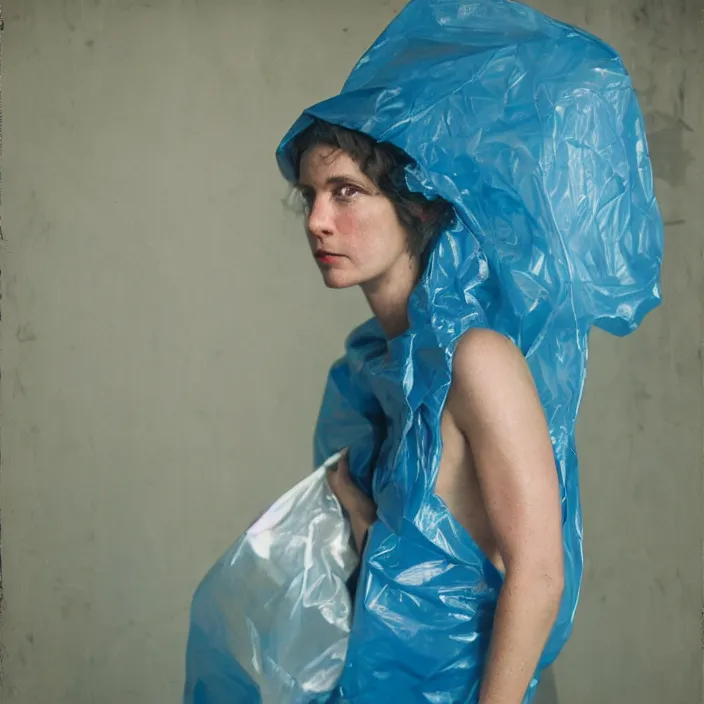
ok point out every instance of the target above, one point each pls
(359, 507)
(495, 404)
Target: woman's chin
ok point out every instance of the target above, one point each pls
(338, 279)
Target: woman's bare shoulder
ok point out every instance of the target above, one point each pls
(488, 372)
(486, 351)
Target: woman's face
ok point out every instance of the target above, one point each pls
(353, 230)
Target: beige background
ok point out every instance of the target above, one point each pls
(165, 338)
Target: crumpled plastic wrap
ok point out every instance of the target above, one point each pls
(270, 621)
(532, 130)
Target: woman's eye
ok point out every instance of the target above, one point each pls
(346, 192)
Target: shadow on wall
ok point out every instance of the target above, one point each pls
(547, 691)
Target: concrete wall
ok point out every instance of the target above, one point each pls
(165, 338)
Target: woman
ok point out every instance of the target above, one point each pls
(458, 400)
(483, 177)
(497, 473)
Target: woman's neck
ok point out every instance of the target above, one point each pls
(388, 296)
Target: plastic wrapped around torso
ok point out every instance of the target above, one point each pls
(427, 593)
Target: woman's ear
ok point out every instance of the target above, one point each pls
(419, 211)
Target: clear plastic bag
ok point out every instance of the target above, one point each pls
(270, 621)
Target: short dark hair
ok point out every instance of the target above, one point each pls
(385, 165)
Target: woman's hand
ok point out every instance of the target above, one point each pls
(359, 507)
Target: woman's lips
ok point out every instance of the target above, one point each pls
(327, 257)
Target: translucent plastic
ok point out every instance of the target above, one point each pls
(532, 130)
(271, 619)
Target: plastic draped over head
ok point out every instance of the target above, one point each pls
(531, 129)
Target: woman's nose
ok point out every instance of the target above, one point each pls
(320, 218)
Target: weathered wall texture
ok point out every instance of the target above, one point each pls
(165, 338)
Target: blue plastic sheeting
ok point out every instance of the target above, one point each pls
(532, 130)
